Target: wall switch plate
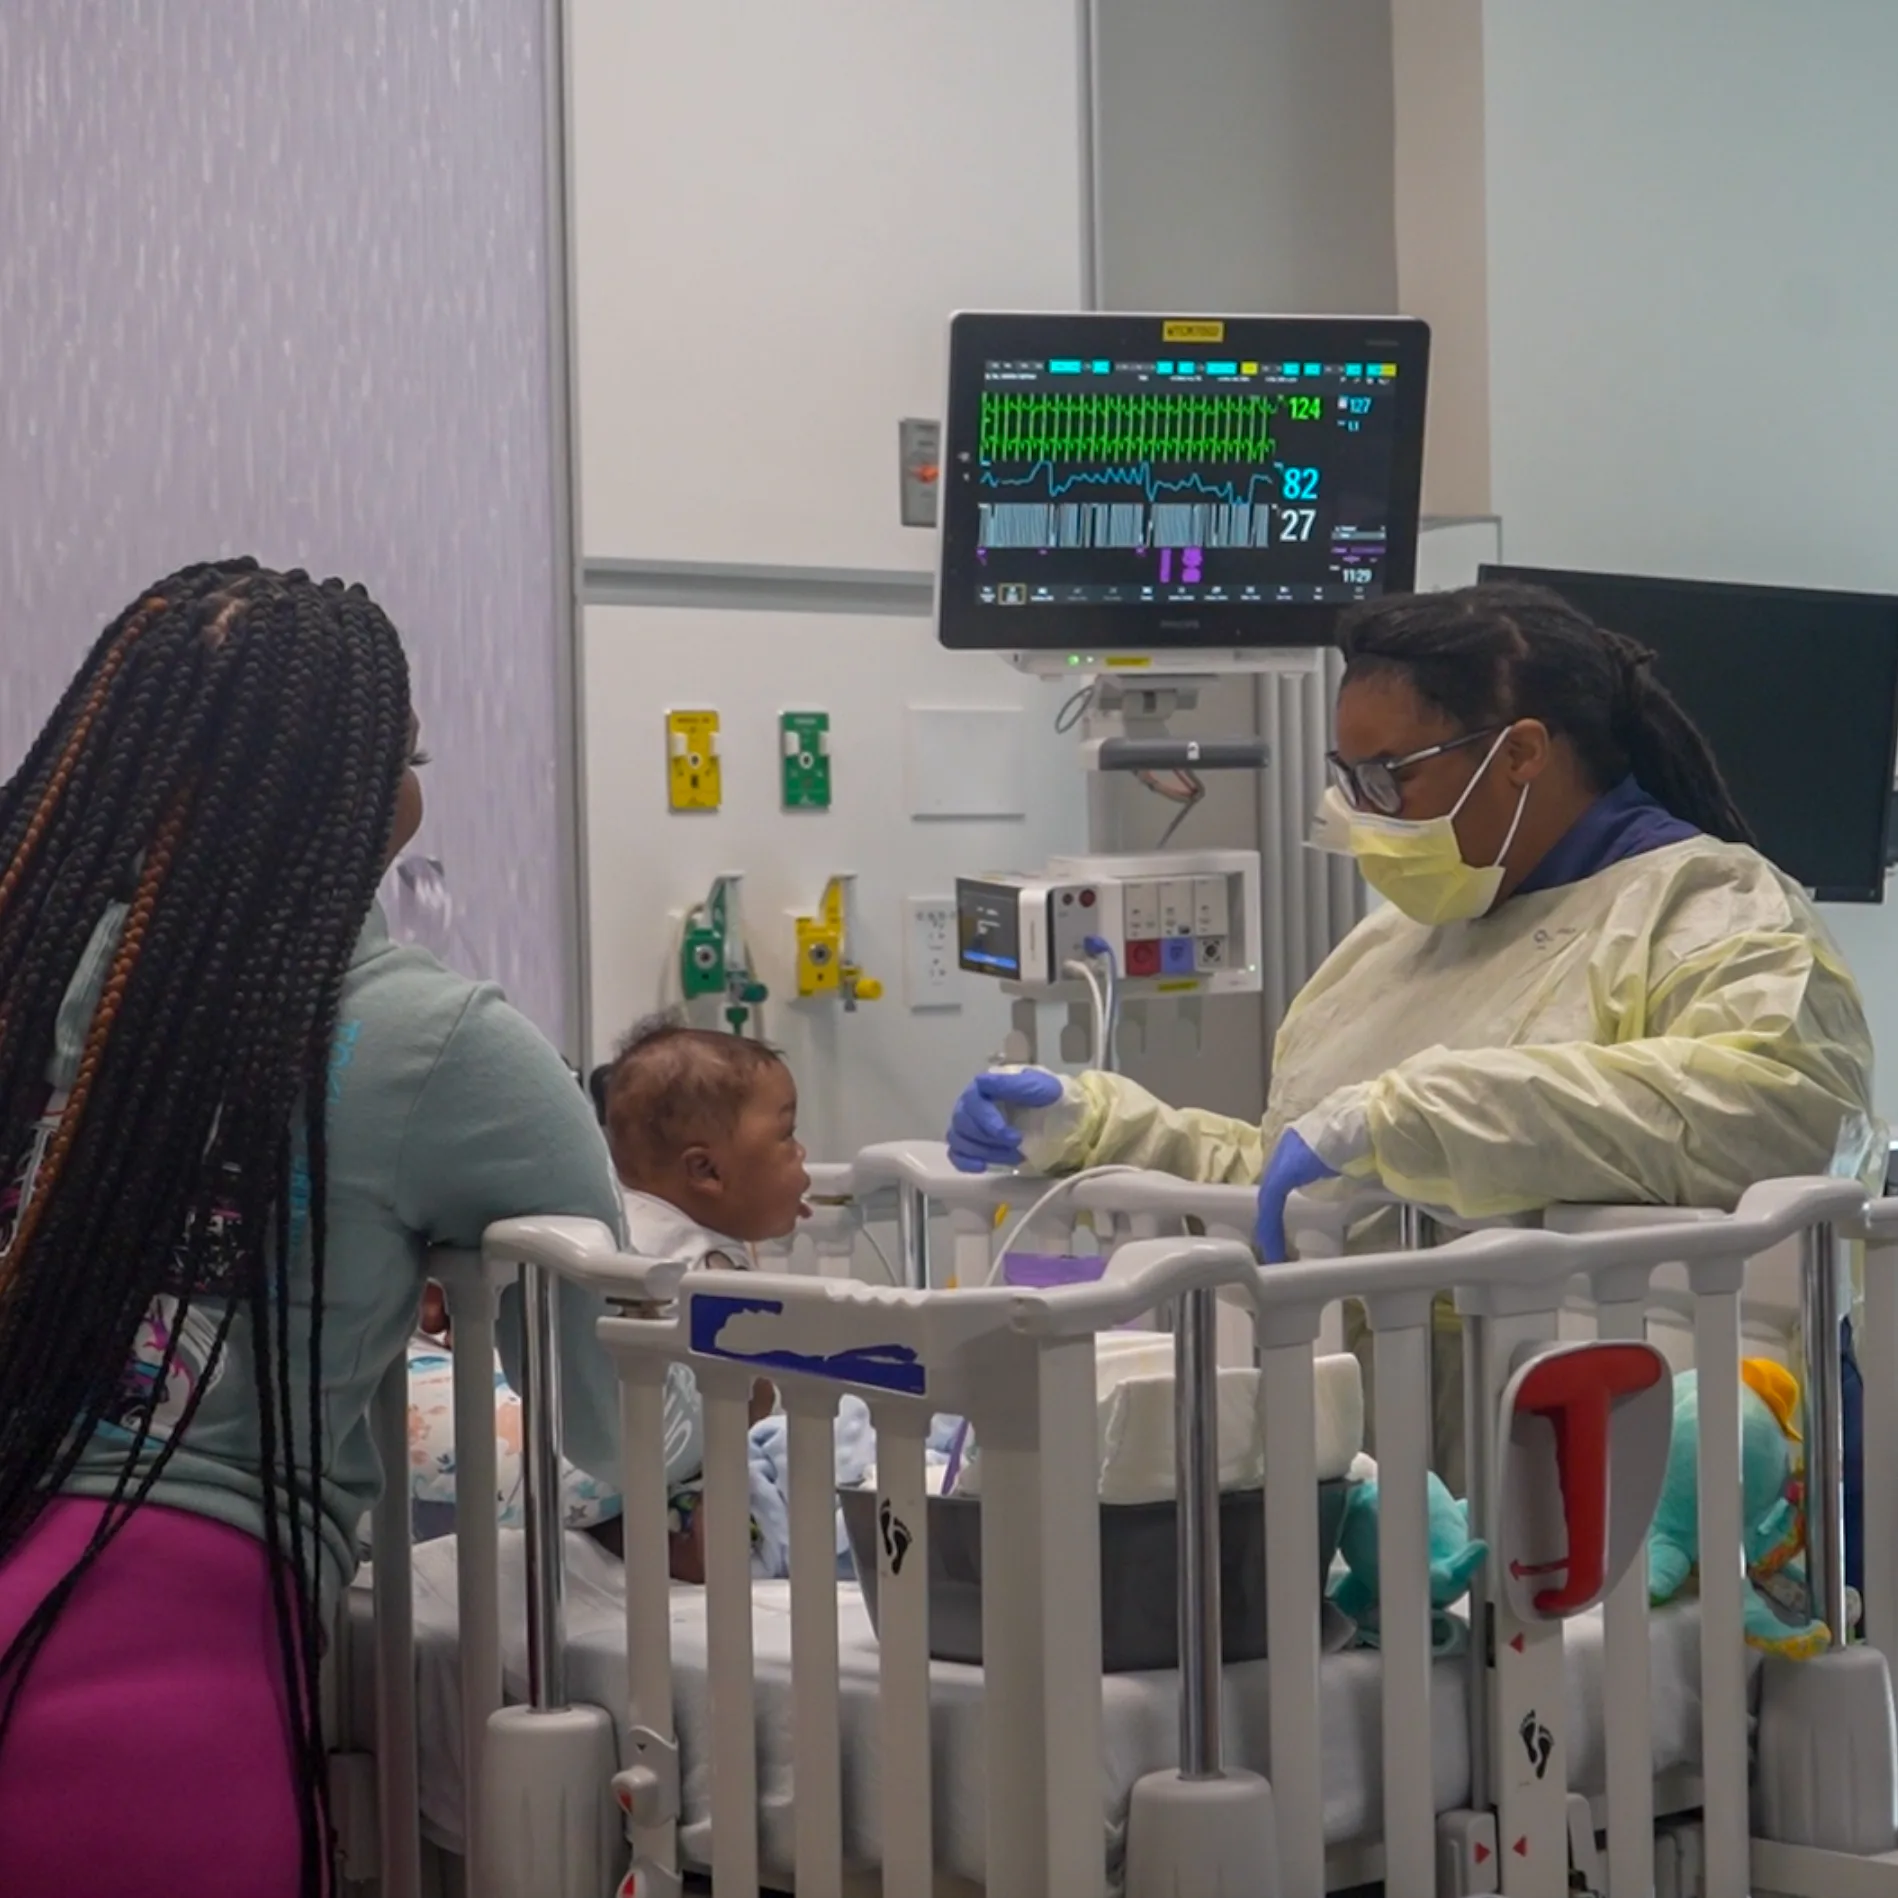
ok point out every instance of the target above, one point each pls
(931, 978)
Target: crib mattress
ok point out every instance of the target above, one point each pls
(1141, 1711)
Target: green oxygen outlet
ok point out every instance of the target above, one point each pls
(712, 956)
(702, 963)
(804, 759)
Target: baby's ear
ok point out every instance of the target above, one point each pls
(700, 1168)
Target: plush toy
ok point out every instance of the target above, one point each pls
(1454, 1560)
(1777, 1602)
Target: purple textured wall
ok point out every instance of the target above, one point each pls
(273, 279)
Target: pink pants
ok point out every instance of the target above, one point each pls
(150, 1751)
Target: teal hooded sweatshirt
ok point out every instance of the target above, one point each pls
(447, 1111)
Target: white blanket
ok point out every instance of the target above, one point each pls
(1135, 1390)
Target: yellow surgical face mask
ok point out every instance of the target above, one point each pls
(1416, 864)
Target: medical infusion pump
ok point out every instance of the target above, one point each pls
(1185, 923)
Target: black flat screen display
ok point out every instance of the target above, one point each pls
(1796, 691)
(1117, 482)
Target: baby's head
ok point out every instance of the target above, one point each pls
(708, 1123)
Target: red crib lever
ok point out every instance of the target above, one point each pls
(1576, 1390)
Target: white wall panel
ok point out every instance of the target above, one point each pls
(776, 209)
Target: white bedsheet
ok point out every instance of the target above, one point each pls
(1141, 1711)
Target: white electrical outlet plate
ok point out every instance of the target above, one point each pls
(931, 978)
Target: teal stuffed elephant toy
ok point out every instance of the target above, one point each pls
(1454, 1561)
(1769, 1514)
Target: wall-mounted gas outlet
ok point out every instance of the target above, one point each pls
(693, 779)
(804, 760)
(930, 976)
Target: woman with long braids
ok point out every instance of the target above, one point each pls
(1585, 983)
(232, 1115)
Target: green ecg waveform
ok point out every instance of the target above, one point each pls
(1128, 428)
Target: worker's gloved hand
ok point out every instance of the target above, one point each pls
(1334, 1138)
(1293, 1166)
(986, 1127)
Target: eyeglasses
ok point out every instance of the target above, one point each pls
(1373, 786)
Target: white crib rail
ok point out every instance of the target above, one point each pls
(906, 1354)
(1508, 1276)
(912, 1184)
(534, 1253)
(1020, 1365)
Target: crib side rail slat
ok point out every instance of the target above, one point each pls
(1292, 1608)
(1723, 1713)
(907, 1816)
(649, 1788)
(1015, 1556)
(1071, 1724)
(817, 1759)
(472, 1306)
(727, 1512)
(1401, 1369)
(1626, 1671)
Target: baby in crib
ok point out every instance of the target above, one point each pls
(703, 1132)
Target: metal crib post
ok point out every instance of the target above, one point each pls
(1825, 1424)
(1196, 1464)
(1480, 1430)
(912, 1235)
(546, 1554)
(1418, 1232)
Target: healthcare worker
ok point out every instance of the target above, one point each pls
(1585, 983)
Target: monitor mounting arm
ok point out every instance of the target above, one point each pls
(1125, 728)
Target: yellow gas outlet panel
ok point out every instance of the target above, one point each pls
(819, 956)
(693, 778)
(824, 966)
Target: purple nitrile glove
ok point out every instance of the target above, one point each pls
(1293, 1166)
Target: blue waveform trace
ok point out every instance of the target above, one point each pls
(1138, 474)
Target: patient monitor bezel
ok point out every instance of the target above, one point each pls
(976, 337)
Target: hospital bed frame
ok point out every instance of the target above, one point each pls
(541, 1819)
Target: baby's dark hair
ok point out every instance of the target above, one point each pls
(669, 1085)
(1485, 655)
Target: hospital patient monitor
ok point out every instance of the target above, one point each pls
(1126, 484)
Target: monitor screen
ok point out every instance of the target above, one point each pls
(1797, 693)
(1128, 482)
